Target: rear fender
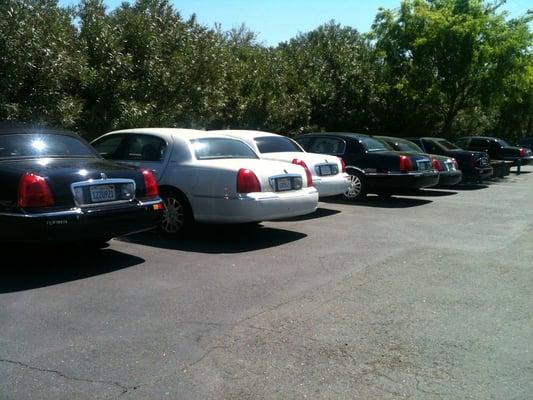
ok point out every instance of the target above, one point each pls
(354, 168)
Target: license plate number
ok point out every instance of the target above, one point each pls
(325, 170)
(283, 184)
(423, 165)
(102, 193)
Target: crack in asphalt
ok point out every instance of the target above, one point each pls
(206, 353)
(122, 387)
(228, 324)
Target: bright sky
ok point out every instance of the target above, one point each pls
(280, 20)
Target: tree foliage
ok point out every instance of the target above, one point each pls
(448, 61)
(443, 67)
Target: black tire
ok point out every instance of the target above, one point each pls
(177, 218)
(357, 187)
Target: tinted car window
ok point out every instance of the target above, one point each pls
(108, 146)
(144, 148)
(447, 145)
(462, 143)
(373, 144)
(502, 142)
(430, 146)
(408, 146)
(45, 145)
(496, 145)
(305, 142)
(275, 144)
(327, 146)
(131, 147)
(479, 143)
(211, 148)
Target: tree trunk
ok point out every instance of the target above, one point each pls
(448, 120)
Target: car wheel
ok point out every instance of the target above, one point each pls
(177, 216)
(357, 187)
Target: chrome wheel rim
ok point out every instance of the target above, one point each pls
(173, 216)
(354, 187)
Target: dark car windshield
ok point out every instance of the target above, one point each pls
(447, 145)
(276, 144)
(23, 145)
(211, 148)
(373, 144)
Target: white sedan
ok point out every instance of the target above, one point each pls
(327, 172)
(208, 177)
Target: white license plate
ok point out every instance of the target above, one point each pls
(325, 170)
(284, 184)
(102, 193)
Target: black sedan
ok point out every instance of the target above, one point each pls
(449, 172)
(56, 188)
(475, 165)
(374, 167)
(497, 149)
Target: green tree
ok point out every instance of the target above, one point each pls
(333, 67)
(444, 59)
(41, 63)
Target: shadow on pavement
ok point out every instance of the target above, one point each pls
(431, 193)
(30, 268)
(471, 186)
(381, 202)
(319, 213)
(218, 239)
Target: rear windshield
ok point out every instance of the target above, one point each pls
(212, 148)
(447, 145)
(276, 144)
(373, 144)
(408, 146)
(502, 142)
(23, 145)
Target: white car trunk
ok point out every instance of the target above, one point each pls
(228, 168)
(312, 160)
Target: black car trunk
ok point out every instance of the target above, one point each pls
(60, 173)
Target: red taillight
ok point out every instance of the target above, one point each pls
(522, 152)
(307, 171)
(150, 183)
(247, 181)
(436, 164)
(405, 164)
(34, 192)
(343, 164)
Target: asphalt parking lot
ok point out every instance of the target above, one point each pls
(425, 296)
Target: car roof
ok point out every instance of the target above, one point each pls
(245, 133)
(425, 138)
(186, 134)
(481, 137)
(351, 135)
(393, 138)
(8, 127)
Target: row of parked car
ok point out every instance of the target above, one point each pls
(57, 187)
